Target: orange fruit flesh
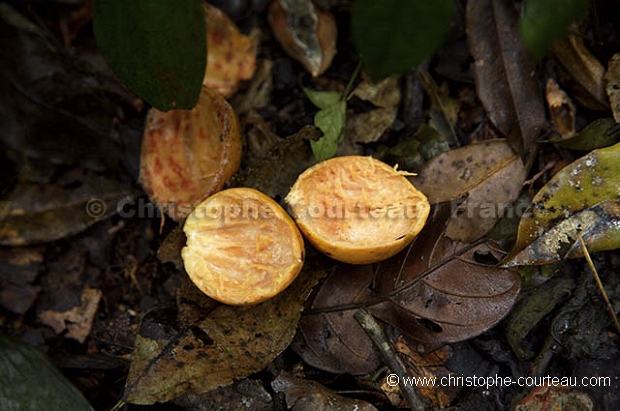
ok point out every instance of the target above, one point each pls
(242, 247)
(357, 209)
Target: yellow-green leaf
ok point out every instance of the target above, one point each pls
(584, 197)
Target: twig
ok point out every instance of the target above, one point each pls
(610, 308)
(394, 363)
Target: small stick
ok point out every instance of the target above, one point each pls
(610, 308)
(394, 363)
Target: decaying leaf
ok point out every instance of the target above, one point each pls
(188, 155)
(306, 33)
(33, 214)
(302, 395)
(561, 109)
(334, 341)
(368, 127)
(584, 197)
(504, 75)
(203, 350)
(231, 55)
(487, 176)
(78, 321)
(438, 292)
(584, 69)
(612, 85)
(598, 134)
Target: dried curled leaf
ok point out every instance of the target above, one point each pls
(306, 33)
(582, 198)
(584, 69)
(232, 55)
(188, 155)
(487, 176)
(561, 109)
(438, 292)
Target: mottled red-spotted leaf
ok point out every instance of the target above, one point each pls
(194, 348)
(503, 71)
(438, 291)
(334, 341)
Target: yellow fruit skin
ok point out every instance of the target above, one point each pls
(242, 247)
(188, 155)
(357, 210)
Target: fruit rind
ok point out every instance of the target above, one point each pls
(357, 209)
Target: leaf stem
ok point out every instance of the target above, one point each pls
(347, 90)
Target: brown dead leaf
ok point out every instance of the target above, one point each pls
(561, 109)
(487, 176)
(438, 292)
(306, 33)
(78, 321)
(612, 85)
(172, 355)
(334, 341)
(585, 71)
(504, 74)
(303, 395)
(231, 55)
(368, 127)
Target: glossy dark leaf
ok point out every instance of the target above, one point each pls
(503, 72)
(30, 382)
(394, 36)
(439, 292)
(543, 21)
(157, 48)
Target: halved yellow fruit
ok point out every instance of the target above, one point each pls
(357, 209)
(242, 247)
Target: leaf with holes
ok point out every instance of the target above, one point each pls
(439, 292)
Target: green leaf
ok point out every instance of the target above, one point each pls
(157, 48)
(583, 197)
(395, 36)
(331, 122)
(30, 382)
(544, 21)
(323, 99)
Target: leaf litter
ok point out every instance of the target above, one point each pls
(426, 296)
